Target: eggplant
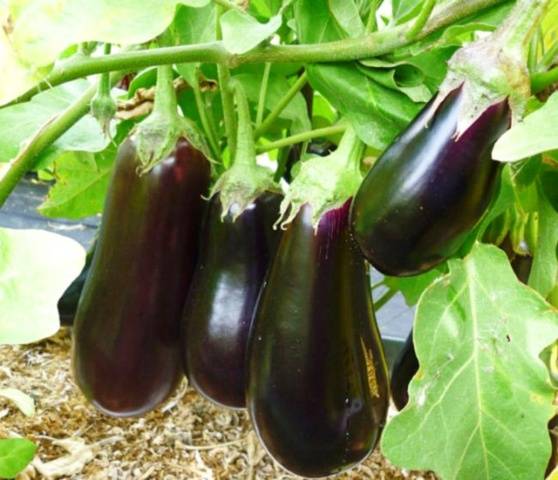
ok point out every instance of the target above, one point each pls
(402, 372)
(317, 380)
(126, 347)
(428, 189)
(68, 302)
(234, 258)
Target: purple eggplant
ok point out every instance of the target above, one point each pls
(234, 258)
(429, 188)
(126, 350)
(317, 381)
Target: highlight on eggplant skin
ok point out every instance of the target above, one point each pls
(234, 258)
(126, 348)
(317, 381)
(404, 369)
(428, 189)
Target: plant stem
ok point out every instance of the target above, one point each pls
(281, 105)
(421, 20)
(245, 153)
(104, 82)
(371, 25)
(209, 133)
(374, 44)
(542, 80)
(224, 76)
(385, 298)
(45, 137)
(165, 96)
(302, 137)
(550, 56)
(263, 94)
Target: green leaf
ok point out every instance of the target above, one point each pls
(412, 287)
(242, 32)
(42, 30)
(535, 134)
(20, 122)
(24, 402)
(295, 112)
(36, 267)
(481, 399)
(15, 455)
(82, 180)
(544, 272)
(347, 16)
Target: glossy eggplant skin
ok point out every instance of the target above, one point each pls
(68, 302)
(428, 189)
(404, 369)
(234, 258)
(126, 348)
(317, 381)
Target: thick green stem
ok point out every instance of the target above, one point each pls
(202, 111)
(104, 82)
(421, 20)
(165, 95)
(281, 105)
(46, 137)
(263, 94)
(245, 153)
(542, 80)
(302, 137)
(374, 44)
(224, 76)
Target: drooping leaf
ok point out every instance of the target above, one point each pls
(535, 134)
(20, 122)
(82, 180)
(15, 455)
(544, 272)
(242, 32)
(36, 267)
(481, 400)
(21, 400)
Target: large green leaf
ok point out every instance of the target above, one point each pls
(20, 122)
(544, 272)
(481, 400)
(36, 267)
(15, 455)
(536, 134)
(242, 32)
(82, 180)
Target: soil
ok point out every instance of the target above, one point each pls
(186, 438)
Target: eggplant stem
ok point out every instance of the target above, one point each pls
(263, 94)
(422, 18)
(302, 137)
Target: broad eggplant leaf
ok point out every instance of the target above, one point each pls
(277, 86)
(535, 134)
(36, 267)
(82, 180)
(347, 15)
(43, 29)
(482, 398)
(544, 272)
(21, 400)
(20, 122)
(15, 455)
(242, 32)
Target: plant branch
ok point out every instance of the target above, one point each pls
(281, 105)
(45, 137)
(371, 45)
(302, 137)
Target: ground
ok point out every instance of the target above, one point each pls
(187, 438)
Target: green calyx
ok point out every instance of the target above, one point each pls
(325, 183)
(157, 135)
(245, 181)
(494, 68)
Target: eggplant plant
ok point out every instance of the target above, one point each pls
(253, 166)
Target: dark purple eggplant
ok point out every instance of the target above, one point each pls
(428, 189)
(317, 381)
(404, 369)
(234, 258)
(68, 302)
(126, 350)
